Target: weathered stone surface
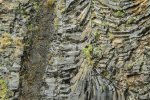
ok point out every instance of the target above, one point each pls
(12, 32)
(92, 50)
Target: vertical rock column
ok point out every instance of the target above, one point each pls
(116, 54)
(12, 32)
(36, 56)
(63, 53)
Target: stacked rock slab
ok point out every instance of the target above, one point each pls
(12, 31)
(100, 50)
(117, 31)
(111, 41)
(62, 56)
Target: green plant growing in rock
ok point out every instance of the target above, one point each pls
(35, 5)
(3, 89)
(119, 13)
(62, 8)
(130, 20)
(5, 40)
(56, 22)
(96, 33)
(32, 28)
(111, 36)
(105, 74)
(87, 52)
(129, 66)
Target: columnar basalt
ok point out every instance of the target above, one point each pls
(108, 60)
(117, 32)
(75, 49)
(12, 31)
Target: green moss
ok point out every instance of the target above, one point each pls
(105, 73)
(87, 52)
(129, 65)
(5, 40)
(104, 23)
(110, 36)
(3, 89)
(119, 13)
(56, 22)
(130, 20)
(95, 33)
(32, 27)
(35, 5)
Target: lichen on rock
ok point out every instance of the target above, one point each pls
(3, 89)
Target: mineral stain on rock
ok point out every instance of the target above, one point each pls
(35, 57)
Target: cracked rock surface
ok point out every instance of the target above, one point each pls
(75, 50)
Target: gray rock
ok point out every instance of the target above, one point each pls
(13, 82)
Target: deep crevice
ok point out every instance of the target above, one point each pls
(35, 54)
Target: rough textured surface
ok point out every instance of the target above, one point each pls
(112, 39)
(36, 55)
(12, 31)
(92, 50)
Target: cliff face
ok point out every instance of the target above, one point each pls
(12, 31)
(35, 59)
(116, 34)
(75, 49)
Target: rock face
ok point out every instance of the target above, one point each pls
(112, 39)
(12, 31)
(35, 59)
(75, 50)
